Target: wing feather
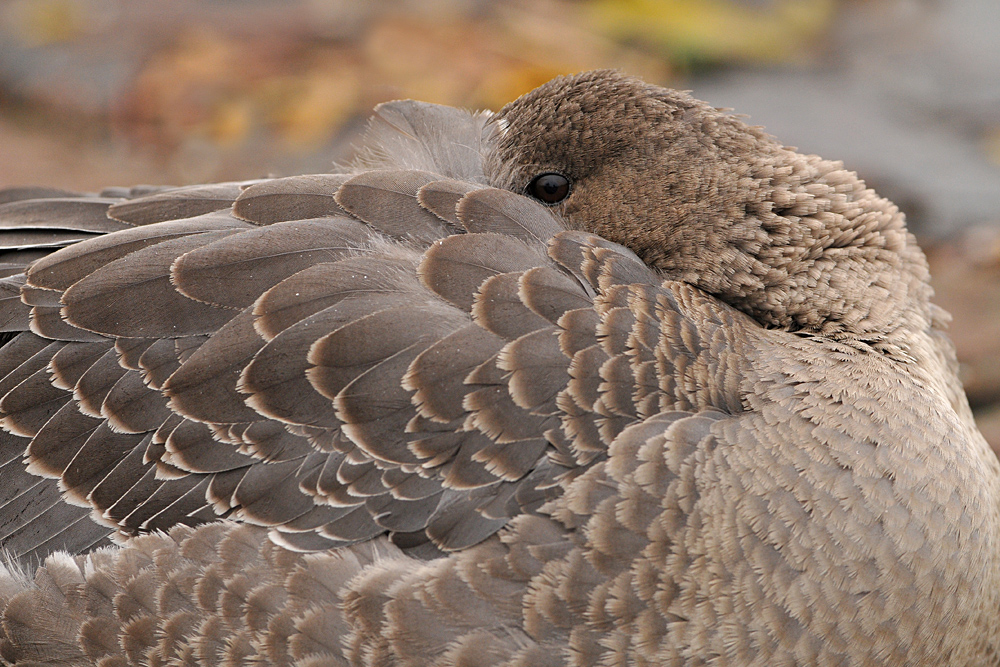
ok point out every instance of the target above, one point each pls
(359, 371)
(293, 198)
(176, 203)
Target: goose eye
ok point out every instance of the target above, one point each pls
(549, 188)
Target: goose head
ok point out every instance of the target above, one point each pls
(797, 242)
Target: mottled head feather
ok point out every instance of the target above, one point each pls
(797, 242)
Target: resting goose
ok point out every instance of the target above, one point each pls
(605, 378)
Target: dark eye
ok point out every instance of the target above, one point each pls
(549, 188)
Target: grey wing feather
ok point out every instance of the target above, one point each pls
(293, 198)
(442, 198)
(504, 212)
(234, 270)
(177, 203)
(81, 259)
(387, 200)
(204, 387)
(80, 214)
(104, 301)
(301, 374)
(29, 228)
(14, 313)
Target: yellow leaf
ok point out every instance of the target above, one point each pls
(43, 22)
(714, 30)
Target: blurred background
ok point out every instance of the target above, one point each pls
(906, 92)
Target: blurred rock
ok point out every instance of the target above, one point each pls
(965, 274)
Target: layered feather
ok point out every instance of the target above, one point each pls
(504, 441)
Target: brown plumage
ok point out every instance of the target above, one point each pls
(406, 415)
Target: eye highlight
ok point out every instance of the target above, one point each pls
(549, 188)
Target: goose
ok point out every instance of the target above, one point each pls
(608, 377)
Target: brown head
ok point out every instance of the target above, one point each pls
(795, 241)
